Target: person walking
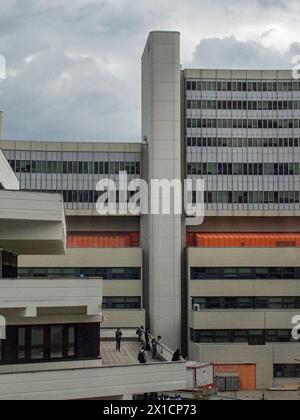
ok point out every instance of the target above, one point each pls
(139, 333)
(142, 356)
(177, 356)
(119, 335)
(147, 340)
(155, 343)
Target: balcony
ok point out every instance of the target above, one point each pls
(32, 223)
(27, 296)
(120, 376)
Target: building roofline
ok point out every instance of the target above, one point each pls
(70, 146)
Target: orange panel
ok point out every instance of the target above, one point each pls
(238, 240)
(103, 239)
(247, 374)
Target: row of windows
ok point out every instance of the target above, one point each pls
(223, 86)
(242, 123)
(206, 303)
(49, 343)
(241, 142)
(8, 264)
(54, 167)
(122, 302)
(87, 196)
(252, 337)
(56, 342)
(243, 105)
(243, 273)
(243, 168)
(287, 371)
(249, 197)
(120, 273)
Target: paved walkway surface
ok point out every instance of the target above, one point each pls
(127, 356)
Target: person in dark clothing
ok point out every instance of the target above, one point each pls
(155, 344)
(139, 333)
(142, 356)
(176, 356)
(119, 335)
(147, 340)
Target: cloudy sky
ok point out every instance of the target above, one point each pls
(73, 66)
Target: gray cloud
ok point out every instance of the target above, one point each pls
(275, 3)
(74, 66)
(231, 53)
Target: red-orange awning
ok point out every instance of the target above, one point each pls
(240, 239)
(103, 239)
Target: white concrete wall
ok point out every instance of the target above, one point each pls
(8, 178)
(30, 295)
(32, 223)
(94, 382)
(161, 128)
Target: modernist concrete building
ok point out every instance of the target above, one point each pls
(224, 291)
(50, 321)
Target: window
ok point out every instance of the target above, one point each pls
(241, 303)
(47, 343)
(115, 273)
(37, 343)
(56, 342)
(21, 344)
(71, 341)
(287, 371)
(122, 302)
(251, 337)
(253, 273)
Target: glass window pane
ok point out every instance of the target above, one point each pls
(71, 341)
(56, 338)
(21, 343)
(37, 343)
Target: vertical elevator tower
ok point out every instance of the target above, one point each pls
(161, 131)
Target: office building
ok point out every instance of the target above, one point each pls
(225, 291)
(50, 345)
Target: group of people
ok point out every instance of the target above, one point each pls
(151, 344)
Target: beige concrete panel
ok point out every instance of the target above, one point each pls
(262, 356)
(123, 318)
(256, 288)
(102, 257)
(224, 320)
(122, 288)
(244, 257)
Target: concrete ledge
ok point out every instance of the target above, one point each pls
(94, 382)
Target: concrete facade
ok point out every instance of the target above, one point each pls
(161, 130)
(240, 132)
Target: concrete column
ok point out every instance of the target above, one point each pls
(161, 130)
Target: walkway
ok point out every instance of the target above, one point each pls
(127, 356)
